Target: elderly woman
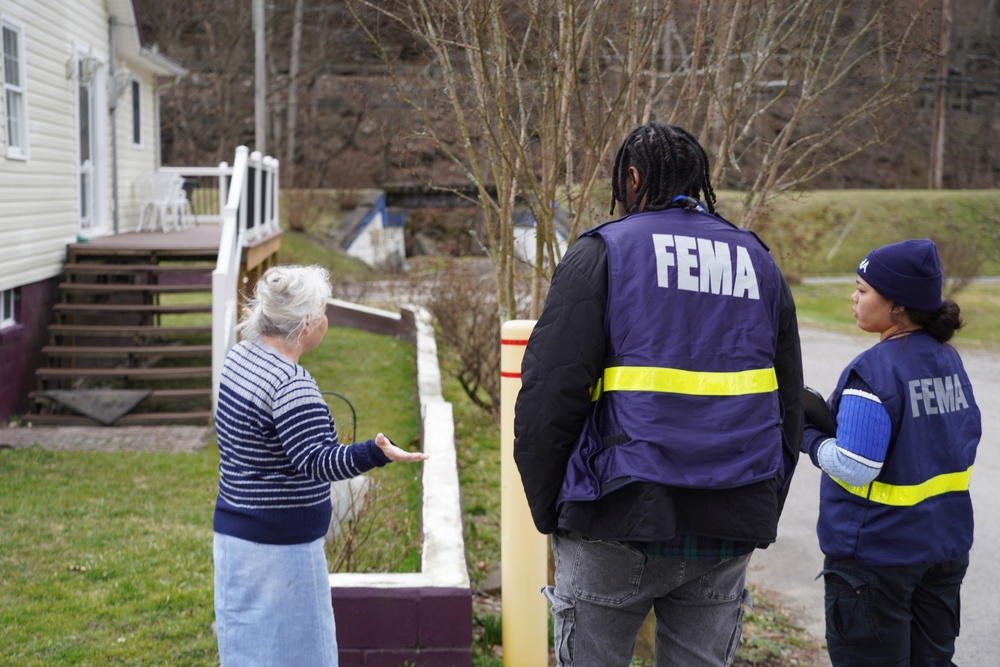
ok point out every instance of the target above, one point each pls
(279, 451)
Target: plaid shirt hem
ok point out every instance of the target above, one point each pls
(696, 547)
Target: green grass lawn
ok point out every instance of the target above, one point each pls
(828, 305)
(377, 374)
(107, 558)
(827, 232)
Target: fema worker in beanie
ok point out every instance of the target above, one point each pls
(895, 520)
(660, 417)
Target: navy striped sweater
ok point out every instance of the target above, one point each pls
(278, 450)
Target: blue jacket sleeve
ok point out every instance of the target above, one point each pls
(864, 431)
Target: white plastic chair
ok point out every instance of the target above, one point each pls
(164, 202)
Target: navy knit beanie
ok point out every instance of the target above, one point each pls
(907, 273)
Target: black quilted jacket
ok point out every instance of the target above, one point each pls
(564, 357)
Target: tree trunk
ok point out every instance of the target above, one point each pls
(941, 100)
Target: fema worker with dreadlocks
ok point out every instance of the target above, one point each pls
(660, 418)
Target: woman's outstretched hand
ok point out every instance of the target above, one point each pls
(394, 453)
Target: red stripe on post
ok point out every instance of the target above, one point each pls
(509, 375)
(508, 341)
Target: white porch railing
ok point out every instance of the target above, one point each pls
(250, 212)
(207, 189)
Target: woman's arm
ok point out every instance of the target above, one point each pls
(307, 434)
(864, 430)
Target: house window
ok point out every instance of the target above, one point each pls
(7, 318)
(13, 88)
(136, 117)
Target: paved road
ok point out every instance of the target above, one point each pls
(790, 566)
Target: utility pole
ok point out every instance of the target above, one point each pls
(941, 100)
(260, 74)
(288, 167)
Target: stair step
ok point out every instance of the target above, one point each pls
(195, 393)
(99, 268)
(157, 394)
(138, 350)
(192, 418)
(132, 308)
(155, 288)
(77, 251)
(125, 330)
(180, 394)
(133, 373)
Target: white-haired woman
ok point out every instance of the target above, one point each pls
(279, 451)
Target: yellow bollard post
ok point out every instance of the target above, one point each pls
(523, 550)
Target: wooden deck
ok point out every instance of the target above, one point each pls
(201, 238)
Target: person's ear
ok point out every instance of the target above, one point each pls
(306, 328)
(632, 186)
(634, 180)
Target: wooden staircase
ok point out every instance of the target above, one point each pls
(131, 318)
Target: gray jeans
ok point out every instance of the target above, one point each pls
(604, 591)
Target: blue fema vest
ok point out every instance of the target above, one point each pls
(688, 397)
(918, 510)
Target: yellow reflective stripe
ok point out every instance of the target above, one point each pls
(693, 383)
(907, 496)
(595, 391)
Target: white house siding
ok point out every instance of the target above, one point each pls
(135, 160)
(395, 246)
(367, 246)
(39, 197)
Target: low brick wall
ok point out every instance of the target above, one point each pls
(422, 618)
(352, 316)
(388, 627)
(21, 346)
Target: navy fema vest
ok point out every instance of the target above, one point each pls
(688, 397)
(918, 510)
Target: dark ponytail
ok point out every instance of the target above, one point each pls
(940, 324)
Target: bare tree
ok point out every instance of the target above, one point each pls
(464, 305)
(338, 77)
(760, 78)
(205, 114)
(532, 96)
(528, 97)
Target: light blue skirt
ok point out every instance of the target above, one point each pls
(272, 604)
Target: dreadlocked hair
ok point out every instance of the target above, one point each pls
(671, 162)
